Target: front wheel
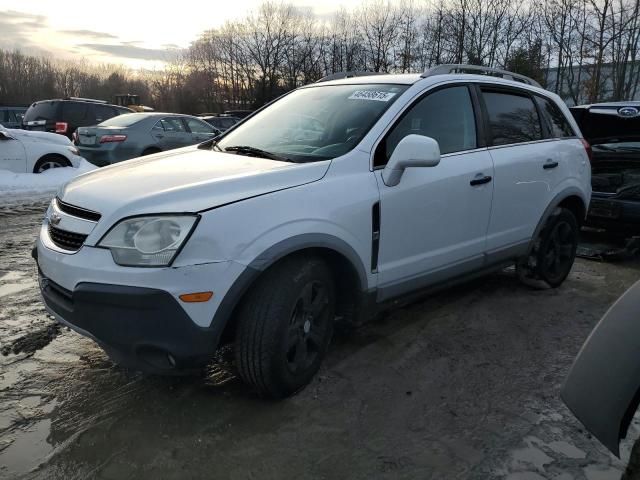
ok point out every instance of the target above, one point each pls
(284, 327)
(50, 161)
(554, 250)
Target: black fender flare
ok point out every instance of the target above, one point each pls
(275, 253)
(555, 202)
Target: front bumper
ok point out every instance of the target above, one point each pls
(140, 328)
(135, 314)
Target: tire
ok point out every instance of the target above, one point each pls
(150, 151)
(554, 250)
(50, 161)
(280, 341)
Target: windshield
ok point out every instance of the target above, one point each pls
(312, 124)
(125, 120)
(41, 111)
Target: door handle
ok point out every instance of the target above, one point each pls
(549, 165)
(159, 135)
(480, 180)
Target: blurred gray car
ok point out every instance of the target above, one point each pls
(135, 134)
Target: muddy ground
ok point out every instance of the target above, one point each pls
(462, 385)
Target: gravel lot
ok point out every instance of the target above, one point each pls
(462, 385)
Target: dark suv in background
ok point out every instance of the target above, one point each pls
(65, 116)
(613, 130)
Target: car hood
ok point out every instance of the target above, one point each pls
(184, 180)
(39, 137)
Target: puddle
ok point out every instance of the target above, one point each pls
(27, 450)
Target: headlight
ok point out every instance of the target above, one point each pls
(150, 241)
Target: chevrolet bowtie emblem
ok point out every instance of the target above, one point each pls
(54, 219)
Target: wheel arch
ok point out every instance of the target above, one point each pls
(572, 199)
(346, 267)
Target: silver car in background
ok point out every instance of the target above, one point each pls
(135, 134)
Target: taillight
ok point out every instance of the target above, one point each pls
(587, 147)
(112, 138)
(61, 127)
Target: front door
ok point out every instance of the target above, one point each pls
(434, 223)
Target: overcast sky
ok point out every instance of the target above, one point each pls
(134, 32)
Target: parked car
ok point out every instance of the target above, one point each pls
(238, 113)
(417, 181)
(11, 117)
(34, 152)
(137, 134)
(222, 123)
(603, 387)
(65, 116)
(613, 129)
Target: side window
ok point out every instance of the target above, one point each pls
(513, 118)
(173, 124)
(158, 127)
(103, 113)
(556, 122)
(445, 115)
(73, 112)
(196, 126)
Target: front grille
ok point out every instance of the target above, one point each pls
(77, 211)
(68, 240)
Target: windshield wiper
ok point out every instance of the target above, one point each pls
(609, 148)
(252, 151)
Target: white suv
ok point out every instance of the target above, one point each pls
(325, 204)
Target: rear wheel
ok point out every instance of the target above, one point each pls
(50, 161)
(554, 250)
(284, 327)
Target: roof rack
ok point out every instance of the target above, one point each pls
(80, 99)
(477, 69)
(351, 74)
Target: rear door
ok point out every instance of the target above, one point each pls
(526, 168)
(175, 134)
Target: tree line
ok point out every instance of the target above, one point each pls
(584, 50)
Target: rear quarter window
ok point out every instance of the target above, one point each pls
(557, 124)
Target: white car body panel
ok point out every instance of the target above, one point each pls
(22, 151)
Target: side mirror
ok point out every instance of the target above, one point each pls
(412, 151)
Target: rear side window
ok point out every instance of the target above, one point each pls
(42, 111)
(557, 124)
(173, 124)
(513, 118)
(73, 112)
(103, 112)
(445, 115)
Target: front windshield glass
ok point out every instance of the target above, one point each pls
(312, 124)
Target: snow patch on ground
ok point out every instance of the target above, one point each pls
(21, 187)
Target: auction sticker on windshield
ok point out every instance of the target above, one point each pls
(371, 95)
